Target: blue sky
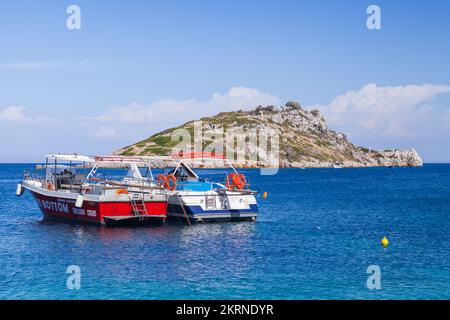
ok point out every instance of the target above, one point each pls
(172, 61)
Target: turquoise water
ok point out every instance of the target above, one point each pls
(316, 234)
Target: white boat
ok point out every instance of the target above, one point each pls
(192, 198)
(203, 200)
(196, 199)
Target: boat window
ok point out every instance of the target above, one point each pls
(59, 170)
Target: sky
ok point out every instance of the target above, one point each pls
(137, 67)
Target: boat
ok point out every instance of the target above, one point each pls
(196, 199)
(69, 187)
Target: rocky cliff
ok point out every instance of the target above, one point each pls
(304, 140)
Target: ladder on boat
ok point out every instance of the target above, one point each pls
(138, 207)
(210, 202)
(184, 210)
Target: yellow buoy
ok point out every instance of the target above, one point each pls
(265, 195)
(384, 242)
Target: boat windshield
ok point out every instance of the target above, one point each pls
(60, 169)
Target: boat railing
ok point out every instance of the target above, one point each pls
(32, 176)
(135, 185)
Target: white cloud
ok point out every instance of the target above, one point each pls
(171, 111)
(16, 114)
(104, 132)
(242, 97)
(13, 114)
(389, 111)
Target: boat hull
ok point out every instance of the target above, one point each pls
(109, 213)
(193, 206)
(195, 214)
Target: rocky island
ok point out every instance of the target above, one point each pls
(304, 140)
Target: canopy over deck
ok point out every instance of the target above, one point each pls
(112, 161)
(121, 160)
(69, 157)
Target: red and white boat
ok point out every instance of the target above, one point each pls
(70, 188)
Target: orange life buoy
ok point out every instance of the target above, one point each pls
(121, 191)
(239, 181)
(230, 181)
(163, 178)
(236, 180)
(50, 186)
(170, 178)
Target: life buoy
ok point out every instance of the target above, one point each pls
(168, 185)
(50, 186)
(163, 178)
(230, 181)
(239, 181)
(121, 191)
(236, 180)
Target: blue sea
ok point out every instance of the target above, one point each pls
(316, 234)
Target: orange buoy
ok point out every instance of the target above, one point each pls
(171, 186)
(121, 191)
(161, 180)
(230, 181)
(236, 180)
(50, 186)
(239, 180)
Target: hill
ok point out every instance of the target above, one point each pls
(304, 139)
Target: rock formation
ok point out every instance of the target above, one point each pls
(304, 140)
